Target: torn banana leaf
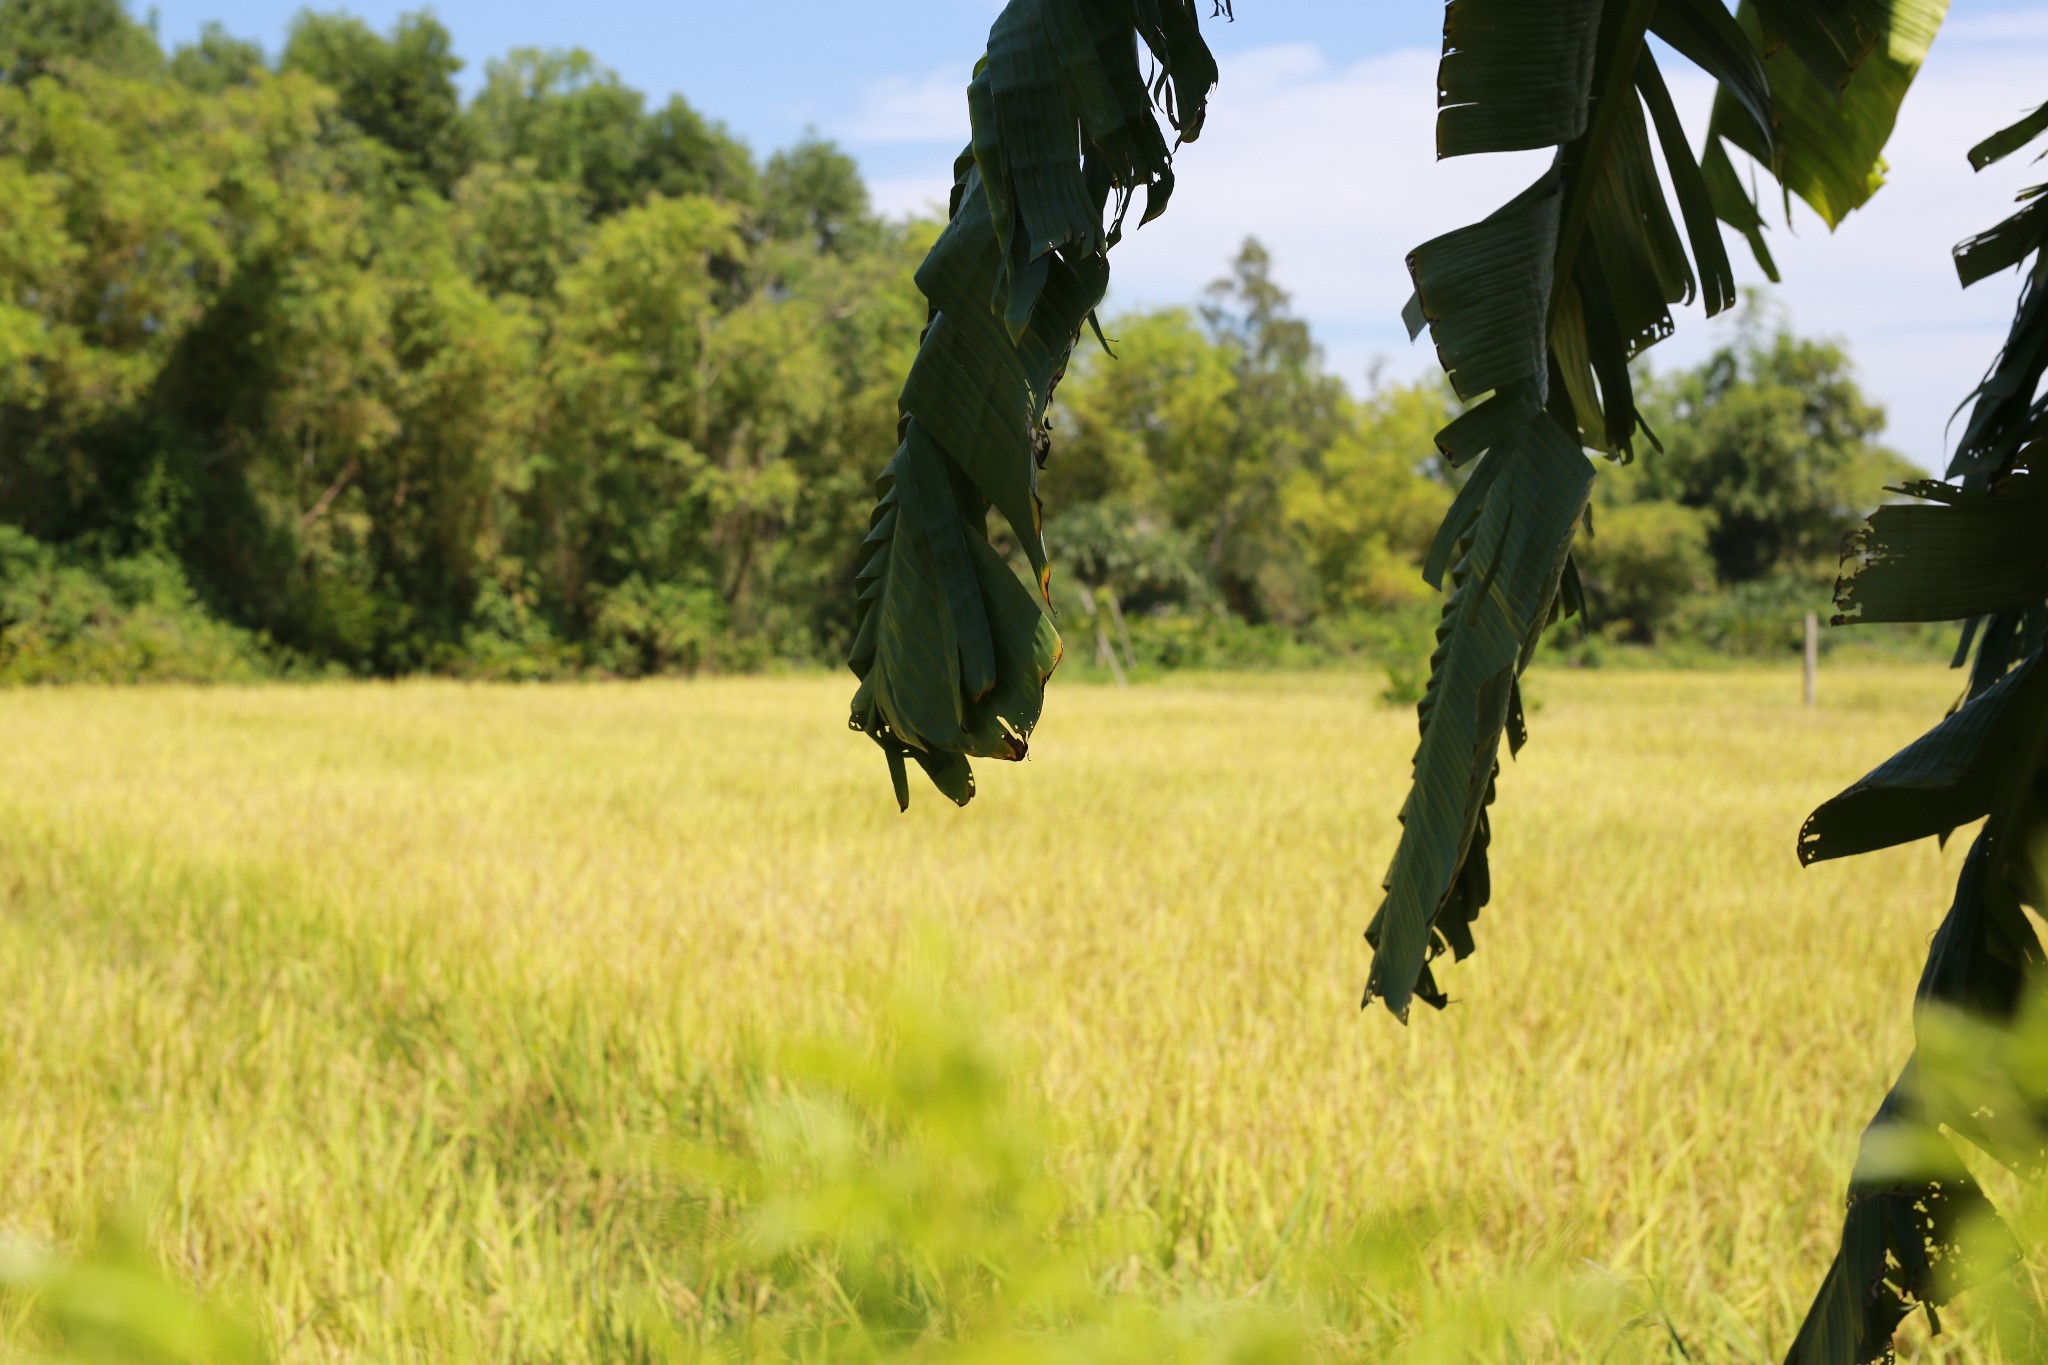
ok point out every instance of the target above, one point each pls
(1537, 313)
(2006, 245)
(1501, 598)
(1919, 1229)
(1914, 1215)
(1953, 554)
(1515, 76)
(1960, 771)
(953, 648)
(1837, 74)
(2006, 141)
(2006, 417)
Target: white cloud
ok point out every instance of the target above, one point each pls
(911, 196)
(899, 110)
(1334, 169)
(1996, 28)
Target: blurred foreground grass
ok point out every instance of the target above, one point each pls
(431, 1022)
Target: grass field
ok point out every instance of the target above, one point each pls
(432, 1022)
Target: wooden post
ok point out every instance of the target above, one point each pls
(1812, 658)
(1104, 652)
(1105, 655)
(1123, 634)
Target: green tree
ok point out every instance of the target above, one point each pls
(517, 230)
(396, 430)
(813, 193)
(1288, 411)
(41, 36)
(575, 122)
(573, 119)
(1166, 401)
(865, 317)
(622, 488)
(1774, 442)
(215, 62)
(682, 152)
(1211, 458)
(115, 246)
(250, 350)
(399, 90)
(1368, 506)
(1642, 563)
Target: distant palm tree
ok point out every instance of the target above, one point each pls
(1536, 312)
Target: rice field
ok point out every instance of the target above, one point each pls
(434, 1022)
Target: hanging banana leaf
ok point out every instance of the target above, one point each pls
(1954, 554)
(2006, 141)
(1918, 1228)
(1836, 75)
(1914, 1214)
(1961, 771)
(952, 649)
(1972, 549)
(1500, 600)
(2006, 415)
(1538, 311)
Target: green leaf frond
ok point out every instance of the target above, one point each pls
(1836, 74)
(1511, 561)
(2007, 419)
(1919, 1229)
(1970, 549)
(1951, 554)
(953, 649)
(1538, 311)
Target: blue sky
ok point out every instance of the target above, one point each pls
(1339, 207)
(771, 67)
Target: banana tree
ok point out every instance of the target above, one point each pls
(1968, 548)
(1536, 313)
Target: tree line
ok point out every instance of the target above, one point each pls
(307, 362)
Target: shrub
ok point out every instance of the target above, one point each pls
(1759, 619)
(509, 640)
(133, 619)
(645, 629)
(1642, 563)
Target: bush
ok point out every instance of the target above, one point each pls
(1640, 566)
(646, 629)
(508, 640)
(1130, 548)
(134, 619)
(1205, 640)
(902, 1177)
(1215, 639)
(1759, 619)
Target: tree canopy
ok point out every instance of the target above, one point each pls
(536, 383)
(341, 370)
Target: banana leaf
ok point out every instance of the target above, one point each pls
(1538, 312)
(1953, 554)
(952, 648)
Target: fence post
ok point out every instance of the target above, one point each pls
(1104, 652)
(1116, 616)
(1812, 658)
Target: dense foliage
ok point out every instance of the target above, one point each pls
(310, 363)
(387, 382)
